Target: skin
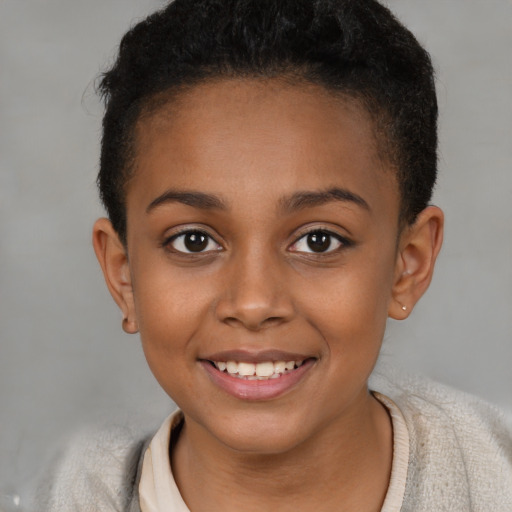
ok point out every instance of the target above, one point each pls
(252, 147)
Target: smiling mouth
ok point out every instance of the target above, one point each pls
(265, 370)
(259, 376)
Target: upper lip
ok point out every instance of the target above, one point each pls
(254, 356)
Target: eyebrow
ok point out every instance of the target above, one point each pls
(297, 201)
(301, 200)
(190, 198)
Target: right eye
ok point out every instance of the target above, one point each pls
(193, 241)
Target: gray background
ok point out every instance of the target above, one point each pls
(64, 360)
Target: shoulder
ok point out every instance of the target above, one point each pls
(460, 446)
(419, 396)
(95, 470)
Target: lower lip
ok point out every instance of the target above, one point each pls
(257, 389)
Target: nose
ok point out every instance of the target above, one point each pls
(256, 294)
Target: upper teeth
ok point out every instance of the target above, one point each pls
(265, 369)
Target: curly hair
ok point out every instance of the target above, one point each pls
(353, 47)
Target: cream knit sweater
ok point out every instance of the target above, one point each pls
(460, 457)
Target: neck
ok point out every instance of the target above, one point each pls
(346, 465)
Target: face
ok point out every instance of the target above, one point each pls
(262, 245)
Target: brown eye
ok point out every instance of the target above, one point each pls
(319, 241)
(193, 242)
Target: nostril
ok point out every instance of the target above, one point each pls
(273, 320)
(253, 324)
(253, 311)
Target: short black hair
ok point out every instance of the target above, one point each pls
(353, 47)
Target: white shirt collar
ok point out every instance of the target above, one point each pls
(158, 491)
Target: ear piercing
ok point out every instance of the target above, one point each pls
(404, 308)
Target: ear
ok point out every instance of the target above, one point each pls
(417, 252)
(112, 256)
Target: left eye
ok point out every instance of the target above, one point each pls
(317, 242)
(193, 242)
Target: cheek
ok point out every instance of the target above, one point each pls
(167, 323)
(351, 304)
(169, 307)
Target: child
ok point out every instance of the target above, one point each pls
(267, 167)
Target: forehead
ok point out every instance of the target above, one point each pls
(232, 135)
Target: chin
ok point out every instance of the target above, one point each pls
(261, 444)
(262, 434)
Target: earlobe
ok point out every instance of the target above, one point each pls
(113, 259)
(419, 246)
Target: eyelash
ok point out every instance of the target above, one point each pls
(343, 242)
(168, 242)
